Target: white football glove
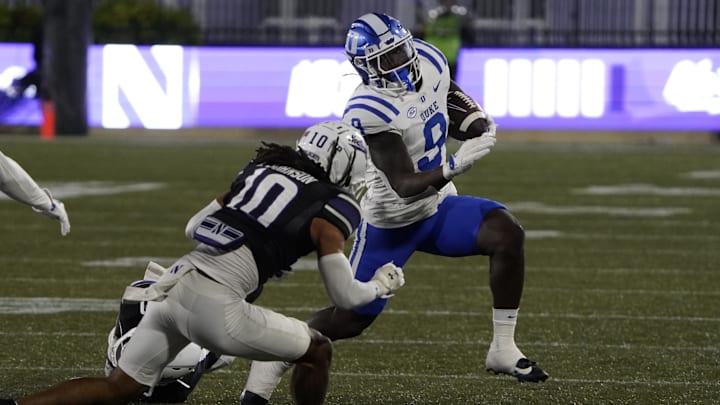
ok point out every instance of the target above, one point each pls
(57, 212)
(470, 152)
(492, 127)
(389, 278)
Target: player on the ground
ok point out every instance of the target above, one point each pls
(284, 204)
(183, 373)
(17, 183)
(411, 204)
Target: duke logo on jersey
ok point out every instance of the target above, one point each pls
(429, 111)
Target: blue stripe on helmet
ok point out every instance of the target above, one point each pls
(375, 22)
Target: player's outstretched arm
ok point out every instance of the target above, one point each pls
(17, 183)
(56, 211)
(343, 289)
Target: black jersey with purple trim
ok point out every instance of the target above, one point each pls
(270, 208)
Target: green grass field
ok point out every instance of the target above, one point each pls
(621, 302)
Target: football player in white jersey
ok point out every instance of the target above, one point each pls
(17, 183)
(284, 204)
(411, 203)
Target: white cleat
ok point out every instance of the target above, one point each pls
(525, 370)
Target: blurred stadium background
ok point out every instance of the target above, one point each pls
(577, 69)
(609, 114)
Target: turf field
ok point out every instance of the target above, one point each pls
(621, 300)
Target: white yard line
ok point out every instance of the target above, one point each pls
(172, 230)
(478, 377)
(425, 342)
(648, 189)
(94, 188)
(703, 175)
(541, 208)
(44, 305)
(559, 269)
(444, 377)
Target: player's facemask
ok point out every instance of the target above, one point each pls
(397, 68)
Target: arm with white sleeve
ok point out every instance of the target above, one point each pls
(17, 183)
(199, 216)
(343, 289)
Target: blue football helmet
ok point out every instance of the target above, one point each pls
(383, 53)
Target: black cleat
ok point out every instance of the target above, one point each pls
(250, 398)
(525, 371)
(8, 401)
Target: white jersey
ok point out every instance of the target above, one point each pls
(421, 119)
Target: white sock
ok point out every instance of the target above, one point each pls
(504, 321)
(265, 376)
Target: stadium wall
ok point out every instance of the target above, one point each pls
(563, 92)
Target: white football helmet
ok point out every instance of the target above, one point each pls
(183, 364)
(340, 150)
(381, 50)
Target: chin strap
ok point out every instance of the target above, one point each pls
(404, 76)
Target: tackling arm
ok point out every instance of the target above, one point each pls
(343, 289)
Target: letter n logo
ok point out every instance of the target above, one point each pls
(142, 86)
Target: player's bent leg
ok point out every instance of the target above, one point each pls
(502, 238)
(263, 379)
(118, 388)
(332, 322)
(311, 374)
(337, 324)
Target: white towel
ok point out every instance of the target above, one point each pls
(159, 290)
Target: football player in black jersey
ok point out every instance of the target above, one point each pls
(284, 204)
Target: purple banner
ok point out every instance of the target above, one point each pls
(169, 87)
(596, 89)
(17, 107)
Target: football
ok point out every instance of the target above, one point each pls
(467, 119)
